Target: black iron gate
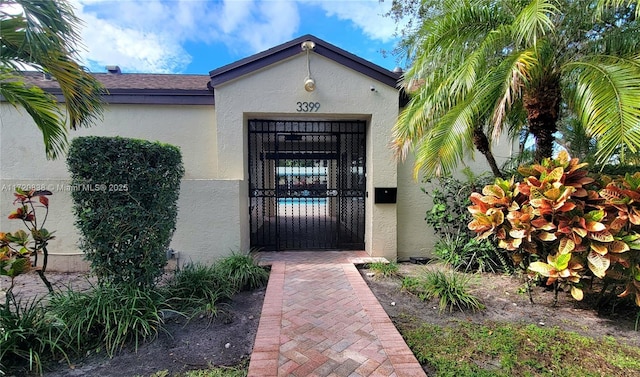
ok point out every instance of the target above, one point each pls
(307, 184)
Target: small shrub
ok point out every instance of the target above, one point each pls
(449, 288)
(450, 197)
(18, 254)
(125, 194)
(29, 335)
(197, 287)
(243, 271)
(561, 223)
(109, 316)
(471, 255)
(449, 218)
(384, 269)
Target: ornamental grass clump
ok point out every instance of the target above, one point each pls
(109, 316)
(197, 287)
(565, 225)
(243, 271)
(29, 336)
(450, 288)
(384, 269)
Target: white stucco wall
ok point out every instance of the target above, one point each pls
(213, 218)
(272, 93)
(415, 237)
(192, 128)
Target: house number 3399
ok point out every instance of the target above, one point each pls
(307, 107)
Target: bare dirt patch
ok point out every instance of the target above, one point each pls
(188, 344)
(505, 301)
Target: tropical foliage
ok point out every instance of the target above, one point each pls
(42, 35)
(564, 225)
(18, 252)
(30, 336)
(73, 324)
(448, 218)
(484, 67)
(449, 288)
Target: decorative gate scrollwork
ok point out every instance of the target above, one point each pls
(307, 184)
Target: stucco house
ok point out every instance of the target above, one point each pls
(287, 149)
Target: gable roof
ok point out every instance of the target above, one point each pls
(292, 48)
(164, 89)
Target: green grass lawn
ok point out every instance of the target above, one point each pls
(467, 349)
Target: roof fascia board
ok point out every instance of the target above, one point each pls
(249, 65)
(150, 97)
(292, 48)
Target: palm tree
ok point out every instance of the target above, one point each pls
(41, 35)
(603, 4)
(496, 64)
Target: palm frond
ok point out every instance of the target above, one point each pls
(512, 72)
(603, 4)
(605, 100)
(534, 21)
(446, 144)
(43, 36)
(43, 109)
(450, 138)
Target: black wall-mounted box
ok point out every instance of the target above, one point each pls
(385, 194)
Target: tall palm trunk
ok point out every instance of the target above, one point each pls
(482, 144)
(542, 103)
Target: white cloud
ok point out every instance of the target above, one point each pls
(233, 14)
(367, 15)
(248, 26)
(133, 50)
(150, 35)
(139, 36)
(274, 22)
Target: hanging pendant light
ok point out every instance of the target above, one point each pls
(309, 82)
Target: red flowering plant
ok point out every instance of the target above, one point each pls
(19, 251)
(562, 224)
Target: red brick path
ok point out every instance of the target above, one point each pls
(320, 319)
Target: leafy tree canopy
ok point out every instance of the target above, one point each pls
(497, 65)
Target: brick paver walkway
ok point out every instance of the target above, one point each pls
(320, 318)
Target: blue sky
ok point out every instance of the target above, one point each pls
(196, 36)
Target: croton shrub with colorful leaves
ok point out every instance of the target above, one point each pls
(20, 250)
(566, 225)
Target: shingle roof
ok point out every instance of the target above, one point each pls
(140, 81)
(141, 88)
(146, 88)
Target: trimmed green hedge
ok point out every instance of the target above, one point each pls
(125, 194)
